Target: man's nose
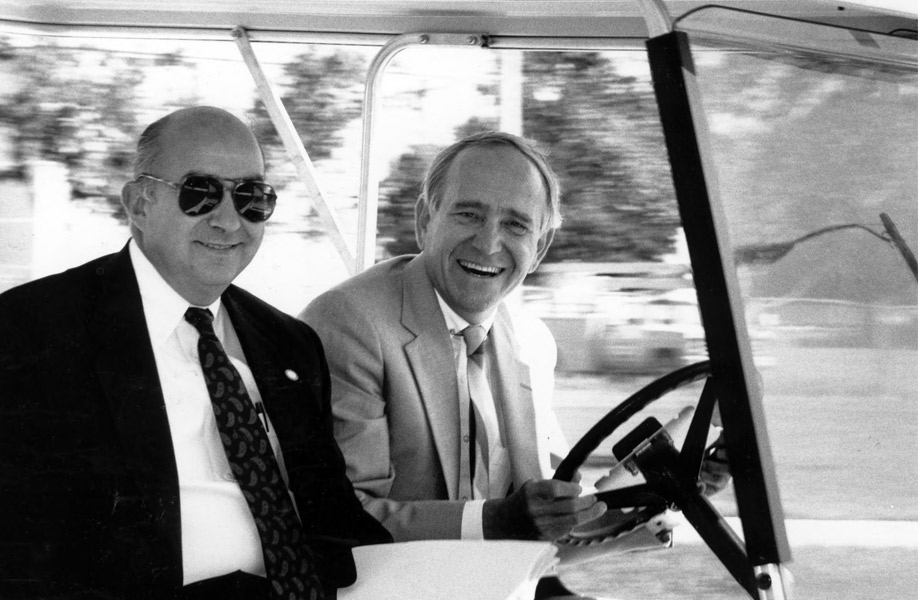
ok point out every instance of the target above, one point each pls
(488, 237)
(224, 215)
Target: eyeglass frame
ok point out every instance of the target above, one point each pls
(236, 184)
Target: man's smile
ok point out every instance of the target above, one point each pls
(479, 270)
(216, 246)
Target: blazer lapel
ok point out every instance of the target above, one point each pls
(282, 382)
(515, 399)
(431, 359)
(262, 355)
(268, 365)
(127, 373)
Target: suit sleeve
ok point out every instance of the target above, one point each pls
(355, 349)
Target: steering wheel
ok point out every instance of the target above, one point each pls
(671, 475)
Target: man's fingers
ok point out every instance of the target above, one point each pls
(555, 507)
(549, 489)
(592, 512)
(715, 473)
(568, 512)
(554, 523)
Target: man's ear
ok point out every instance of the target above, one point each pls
(422, 218)
(543, 245)
(136, 200)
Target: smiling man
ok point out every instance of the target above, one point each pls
(441, 391)
(163, 433)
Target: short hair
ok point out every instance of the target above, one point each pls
(436, 176)
(149, 148)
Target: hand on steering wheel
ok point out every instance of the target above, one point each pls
(674, 478)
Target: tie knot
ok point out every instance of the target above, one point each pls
(474, 336)
(201, 319)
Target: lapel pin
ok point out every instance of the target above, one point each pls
(291, 374)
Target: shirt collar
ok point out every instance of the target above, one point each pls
(164, 308)
(456, 323)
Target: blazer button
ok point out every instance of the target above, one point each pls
(291, 374)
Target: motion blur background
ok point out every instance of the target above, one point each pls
(832, 319)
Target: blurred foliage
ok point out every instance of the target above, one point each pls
(73, 106)
(323, 93)
(398, 195)
(602, 136)
(84, 107)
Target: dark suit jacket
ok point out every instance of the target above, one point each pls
(89, 496)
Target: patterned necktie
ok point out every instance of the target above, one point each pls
(483, 432)
(289, 564)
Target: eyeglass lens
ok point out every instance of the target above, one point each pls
(253, 200)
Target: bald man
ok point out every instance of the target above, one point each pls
(163, 433)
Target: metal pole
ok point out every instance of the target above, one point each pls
(367, 193)
(740, 401)
(295, 148)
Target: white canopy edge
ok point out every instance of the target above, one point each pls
(375, 21)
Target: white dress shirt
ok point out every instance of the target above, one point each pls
(219, 535)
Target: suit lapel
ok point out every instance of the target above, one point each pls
(280, 394)
(282, 380)
(431, 359)
(127, 373)
(514, 400)
(262, 356)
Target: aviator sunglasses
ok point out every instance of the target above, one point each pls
(200, 194)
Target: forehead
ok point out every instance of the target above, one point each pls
(223, 148)
(496, 175)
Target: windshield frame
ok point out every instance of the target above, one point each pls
(712, 256)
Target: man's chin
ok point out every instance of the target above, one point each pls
(218, 276)
(476, 309)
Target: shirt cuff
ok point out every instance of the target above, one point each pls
(471, 522)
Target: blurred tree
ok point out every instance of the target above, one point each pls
(323, 93)
(398, 195)
(80, 106)
(400, 191)
(602, 135)
(76, 106)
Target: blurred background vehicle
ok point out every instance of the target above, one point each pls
(618, 317)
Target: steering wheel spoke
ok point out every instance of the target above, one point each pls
(672, 476)
(694, 448)
(629, 497)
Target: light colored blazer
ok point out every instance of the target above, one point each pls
(394, 395)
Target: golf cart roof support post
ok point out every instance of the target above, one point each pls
(772, 582)
(368, 191)
(657, 20)
(296, 151)
(718, 290)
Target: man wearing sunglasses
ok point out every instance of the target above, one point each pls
(163, 433)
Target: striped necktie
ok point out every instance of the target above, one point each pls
(484, 434)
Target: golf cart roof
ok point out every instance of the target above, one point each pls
(268, 19)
